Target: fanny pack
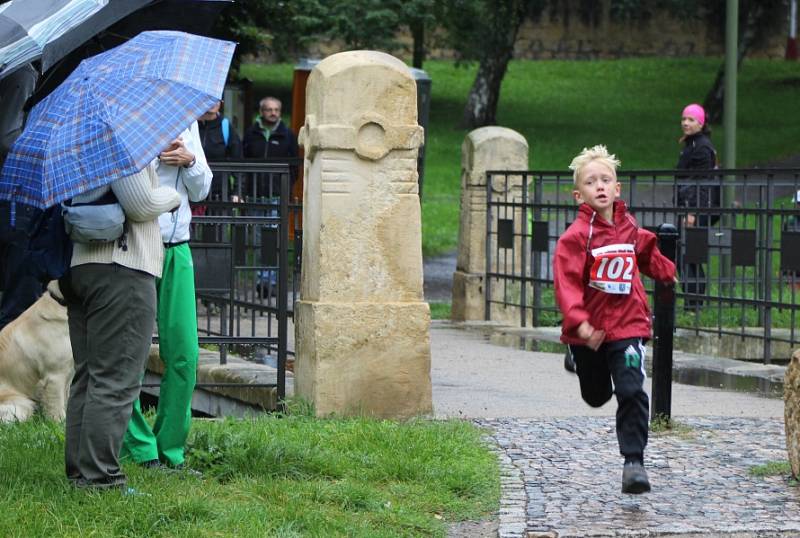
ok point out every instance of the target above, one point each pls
(99, 221)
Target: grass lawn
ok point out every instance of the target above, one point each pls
(272, 476)
(631, 105)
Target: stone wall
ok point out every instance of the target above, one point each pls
(559, 37)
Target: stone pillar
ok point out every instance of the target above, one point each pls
(361, 326)
(791, 412)
(486, 148)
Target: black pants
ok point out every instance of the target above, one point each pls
(693, 275)
(19, 280)
(694, 281)
(617, 368)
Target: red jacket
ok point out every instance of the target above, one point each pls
(620, 315)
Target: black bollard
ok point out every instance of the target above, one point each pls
(664, 326)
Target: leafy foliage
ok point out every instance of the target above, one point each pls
(285, 29)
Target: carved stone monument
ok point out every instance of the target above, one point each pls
(486, 148)
(361, 326)
(791, 412)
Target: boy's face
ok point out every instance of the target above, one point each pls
(597, 186)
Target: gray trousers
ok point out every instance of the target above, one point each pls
(111, 327)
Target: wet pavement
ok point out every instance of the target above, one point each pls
(560, 463)
(562, 478)
(438, 281)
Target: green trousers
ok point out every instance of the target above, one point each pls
(178, 348)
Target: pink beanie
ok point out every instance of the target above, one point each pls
(695, 111)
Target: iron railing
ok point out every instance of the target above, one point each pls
(247, 265)
(745, 241)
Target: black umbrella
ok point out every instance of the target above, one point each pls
(118, 22)
(28, 27)
(113, 12)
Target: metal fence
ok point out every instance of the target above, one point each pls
(247, 264)
(739, 263)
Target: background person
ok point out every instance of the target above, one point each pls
(605, 308)
(698, 154)
(792, 224)
(182, 166)
(111, 314)
(220, 142)
(268, 138)
(20, 281)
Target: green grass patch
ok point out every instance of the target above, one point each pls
(632, 105)
(772, 468)
(661, 425)
(280, 476)
(441, 310)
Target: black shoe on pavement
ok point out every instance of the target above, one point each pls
(634, 478)
(569, 362)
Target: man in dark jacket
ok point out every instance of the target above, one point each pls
(269, 138)
(220, 142)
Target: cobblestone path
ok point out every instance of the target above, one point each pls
(561, 477)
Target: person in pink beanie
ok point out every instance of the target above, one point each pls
(693, 190)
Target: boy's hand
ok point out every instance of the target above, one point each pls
(593, 337)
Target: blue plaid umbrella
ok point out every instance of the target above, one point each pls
(113, 115)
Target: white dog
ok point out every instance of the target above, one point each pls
(36, 364)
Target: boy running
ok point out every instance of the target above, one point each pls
(605, 309)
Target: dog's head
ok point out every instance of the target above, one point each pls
(55, 291)
(53, 305)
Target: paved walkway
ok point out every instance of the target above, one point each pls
(561, 465)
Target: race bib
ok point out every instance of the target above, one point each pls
(614, 269)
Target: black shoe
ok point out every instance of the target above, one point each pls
(182, 468)
(151, 464)
(634, 478)
(569, 362)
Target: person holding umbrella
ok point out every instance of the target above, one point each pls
(111, 319)
(101, 130)
(183, 166)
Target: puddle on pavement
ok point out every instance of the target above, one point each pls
(686, 376)
(525, 342)
(720, 380)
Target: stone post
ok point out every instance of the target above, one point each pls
(791, 412)
(361, 326)
(486, 148)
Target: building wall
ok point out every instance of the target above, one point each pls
(557, 36)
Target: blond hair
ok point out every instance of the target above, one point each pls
(596, 153)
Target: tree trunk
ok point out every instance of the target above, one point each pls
(418, 35)
(715, 98)
(481, 107)
(484, 95)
